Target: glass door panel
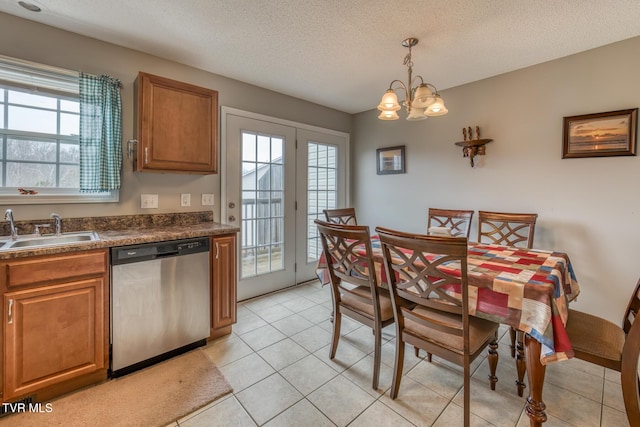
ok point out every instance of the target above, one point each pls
(265, 157)
(262, 222)
(322, 177)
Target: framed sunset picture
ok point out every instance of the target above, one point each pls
(599, 135)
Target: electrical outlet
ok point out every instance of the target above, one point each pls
(185, 199)
(149, 201)
(207, 199)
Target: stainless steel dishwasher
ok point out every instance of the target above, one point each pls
(160, 302)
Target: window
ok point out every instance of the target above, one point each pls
(39, 136)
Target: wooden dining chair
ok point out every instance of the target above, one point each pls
(354, 286)
(606, 344)
(439, 323)
(458, 221)
(510, 229)
(345, 216)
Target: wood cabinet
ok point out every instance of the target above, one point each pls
(223, 284)
(177, 126)
(55, 323)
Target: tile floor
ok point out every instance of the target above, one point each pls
(277, 362)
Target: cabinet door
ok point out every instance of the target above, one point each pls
(223, 281)
(177, 126)
(53, 334)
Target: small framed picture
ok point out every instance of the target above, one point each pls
(390, 160)
(600, 135)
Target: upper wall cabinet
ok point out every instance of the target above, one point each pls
(177, 126)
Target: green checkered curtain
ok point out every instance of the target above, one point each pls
(100, 133)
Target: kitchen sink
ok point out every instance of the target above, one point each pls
(30, 242)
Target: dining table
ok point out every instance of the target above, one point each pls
(528, 289)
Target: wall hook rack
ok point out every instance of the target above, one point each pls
(472, 147)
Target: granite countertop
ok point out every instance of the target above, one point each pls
(127, 230)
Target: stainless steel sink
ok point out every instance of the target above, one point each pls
(29, 242)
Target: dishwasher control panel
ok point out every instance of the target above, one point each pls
(149, 251)
(194, 244)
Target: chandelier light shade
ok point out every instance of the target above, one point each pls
(388, 115)
(436, 108)
(420, 101)
(389, 101)
(416, 114)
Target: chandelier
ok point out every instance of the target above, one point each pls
(420, 101)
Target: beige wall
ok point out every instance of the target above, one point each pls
(35, 42)
(588, 208)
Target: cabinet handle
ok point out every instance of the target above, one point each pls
(10, 312)
(217, 250)
(146, 155)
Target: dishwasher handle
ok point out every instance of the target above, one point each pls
(167, 254)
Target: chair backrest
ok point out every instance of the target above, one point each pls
(508, 229)
(346, 216)
(458, 221)
(629, 378)
(419, 269)
(347, 250)
(632, 309)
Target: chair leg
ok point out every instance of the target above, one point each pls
(337, 320)
(467, 394)
(397, 367)
(376, 355)
(512, 335)
(492, 357)
(521, 365)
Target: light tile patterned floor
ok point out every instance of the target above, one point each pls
(277, 361)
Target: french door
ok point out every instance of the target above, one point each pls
(274, 191)
(322, 161)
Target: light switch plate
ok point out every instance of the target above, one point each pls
(149, 201)
(185, 199)
(207, 199)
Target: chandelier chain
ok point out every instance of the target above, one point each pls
(407, 59)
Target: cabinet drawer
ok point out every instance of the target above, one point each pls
(27, 271)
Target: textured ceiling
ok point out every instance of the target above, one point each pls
(344, 53)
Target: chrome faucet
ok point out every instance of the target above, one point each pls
(8, 216)
(58, 223)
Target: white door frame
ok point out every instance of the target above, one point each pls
(225, 111)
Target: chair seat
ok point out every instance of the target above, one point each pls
(386, 310)
(480, 330)
(595, 336)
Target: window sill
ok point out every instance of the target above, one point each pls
(50, 199)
